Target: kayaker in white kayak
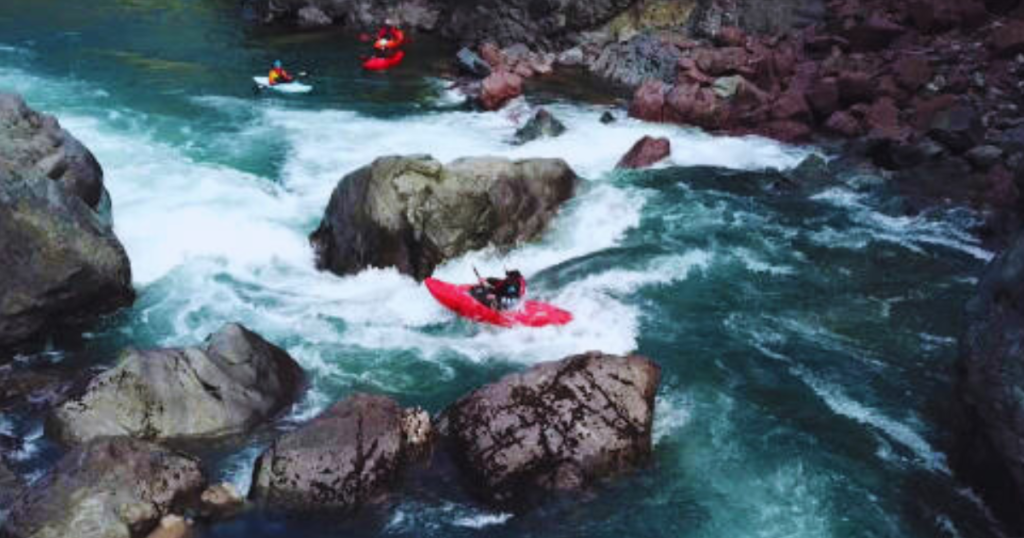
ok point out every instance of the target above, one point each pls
(500, 293)
(278, 75)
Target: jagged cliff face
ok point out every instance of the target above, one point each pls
(545, 24)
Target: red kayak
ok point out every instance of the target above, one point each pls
(378, 63)
(456, 298)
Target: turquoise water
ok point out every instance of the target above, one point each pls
(806, 338)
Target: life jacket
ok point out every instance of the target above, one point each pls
(511, 288)
(278, 75)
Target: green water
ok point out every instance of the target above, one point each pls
(806, 338)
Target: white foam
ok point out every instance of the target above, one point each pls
(910, 232)
(420, 517)
(239, 468)
(671, 414)
(841, 404)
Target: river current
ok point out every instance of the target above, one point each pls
(806, 337)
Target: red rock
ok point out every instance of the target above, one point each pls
(1008, 40)
(499, 88)
(493, 55)
(689, 72)
(784, 60)
(788, 131)
(646, 152)
(843, 123)
(724, 61)
(883, 120)
(693, 105)
(731, 36)
(748, 95)
(791, 106)
(524, 70)
(912, 72)
(823, 96)
(855, 87)
(649, 101)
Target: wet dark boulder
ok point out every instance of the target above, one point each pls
(413, 213)
(344, 459)
(62, 265)
(558, 427)
(990, 453)
(647, 152)
(108, 488)
(959, 128)
(10, 485)
(543, 124)
(233, 383)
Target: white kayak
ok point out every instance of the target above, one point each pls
(284, 87)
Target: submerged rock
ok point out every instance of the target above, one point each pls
(543, 124)
(990, 454)
(559, 426)
(62, 264)
(414, 213)
(342, 460)
(232, 384)
(646, 152)
(108, 488)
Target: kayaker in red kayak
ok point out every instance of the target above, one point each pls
(389, 38)
(500, 293)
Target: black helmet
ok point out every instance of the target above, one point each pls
(514, 273)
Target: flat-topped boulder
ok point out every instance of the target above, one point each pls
(413, 213)
(234, 382)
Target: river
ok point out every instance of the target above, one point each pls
(806, 338)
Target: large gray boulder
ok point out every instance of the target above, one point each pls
(235, 382)
(344, 459)
(109, 488)
(559, 426)
(414, 213)
(990, 383)
(62, 264)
